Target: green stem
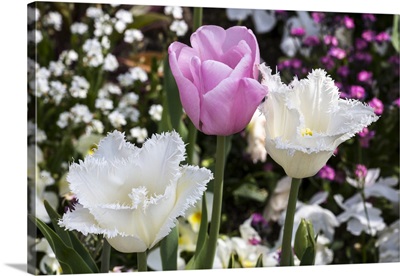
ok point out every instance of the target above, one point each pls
(217, 201)
(197, 18)
(105, 257)
(142, 261)
(287, 255)
(192, 135)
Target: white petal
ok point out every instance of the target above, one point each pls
(127, 244)
(264, 21)
(190, 188)
(319, 197)
(114, 146)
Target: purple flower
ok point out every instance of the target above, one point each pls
(217, 78)
(368, 35)
(377, 105)
(397, 102)
(361, 44)
(361, 171)
(318, 16)
(258, 219)
(284, 64)
(337, 53)
(363, 56)
(311, 41)
(297, 31)
(369, 17)
(348, 22)
(357, 92)
(296, 63)
(343, 71)
(330, 40)
(381, 37)
(364, 76)
(327, 172)
(365, 136)
(328, 62)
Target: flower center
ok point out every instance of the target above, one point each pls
(306, 132)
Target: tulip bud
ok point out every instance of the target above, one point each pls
(304, 243)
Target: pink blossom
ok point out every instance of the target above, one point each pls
(327, 172)
(364, 76)
(217, 78)
(348, 22)
(365, 136)
(330, 40)
(361, 171)
(381, 37)
(368, 35)
(297, 31)
(369, 17)
(357, 92)
(397, 102)
(377, 105)
(311, 40)
(318, 16)
(337, 53)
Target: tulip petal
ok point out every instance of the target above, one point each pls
(114, 147)
(160, 157)
(208, 41)
(214, 72)
(182, 55)
(127, 244)
(190, 188)
(235, 99)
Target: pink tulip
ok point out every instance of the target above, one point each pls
(217, 78)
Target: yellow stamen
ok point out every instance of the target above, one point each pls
(195, 219)
(306, 131)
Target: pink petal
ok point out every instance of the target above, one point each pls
(183, 54)
(228, 108)
(213, 72)
(207, 41)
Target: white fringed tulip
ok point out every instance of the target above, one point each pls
(307, 120)
(132, 195)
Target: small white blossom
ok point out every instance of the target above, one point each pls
(117, 119)
(138, 133)
(389, 243)
(109, 88)
(104, 104)
(179, 27)
(129, 99)
(79, 87)
(155, 112)
(124, 16)
(97, 126)
(40, 135)
(130, 112)
(57, 91)
(138, 74)
(110, 63)
(68, 57)
(256, 137)
(175, 11)
(94, 12)
(63, 119)
(54, 19)
(94, 56)
(35, 36)
(132, 35)
(120, 26)
(79, 28)
(80, 113)
(103, 26)
(56, 68)
(105, 42)
(33, 15)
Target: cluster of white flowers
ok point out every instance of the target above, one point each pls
(117, 119)
(79, 28)
(68, 57)
(178, 25)
(133, 35)
(57, 91)
(33, 15)
(133, 74)
(53, 19)
(122, 18)
(155, 112)
(35, 36)
(110, 63)
(77, 114)
(79, 87)
(138, 133)
(93, 49)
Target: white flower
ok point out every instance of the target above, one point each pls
(128, 99)
(68, 57)
(179, 27)
(357, 219)
(134, 74)
(155, 263)
(94, 56)
(49, 260)
(79, 28)
(94, 12)
(109, 88)
(124, 15)
(132, 35)
(117, 119)
(103, 26)
(110, 63)
(35, 36)
(323, 254)
(105, 42)
(175, 11)
(56, 68)
(81, 113)
(140, 134)
(256, 137)
(33, 15)
(132, 195)
(193, 214)
(54, 19)
(57, 90)
(104, 104)
(278, 199)
(96, 126)
(374, 187)
(264, 21)
(307, 121)
(79, 87)
(155, 112)
(62, 121)
(389, 243)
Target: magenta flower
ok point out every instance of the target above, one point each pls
(327, 172)
(348, 22)
(377, 105)
(364, 76)
(365, 136)
(297, 31)
(217, 78)
(357, 92)
(361, 171)
(381, 37)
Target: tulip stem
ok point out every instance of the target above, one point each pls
(197, 18)
(217, 201)
(142, 261)
(192, 135)
(105, 257)
(287, 254)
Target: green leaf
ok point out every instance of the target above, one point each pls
(251, 191)
(169, 250)
(308, 256)
(143, 20)
(232, 262)
(70, 238)
(395, 34)
(68, 258)
(201, 238)
(260, 261)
